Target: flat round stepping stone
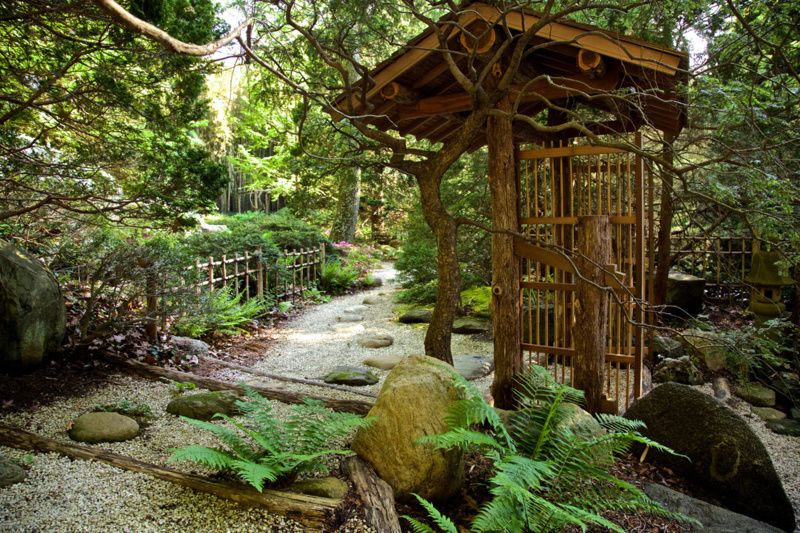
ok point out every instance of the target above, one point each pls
(375, 341)
(103, 427)
(469, 326)
(356, 309)
(416, 316)
(11, 472)
(768, 413)
(349, 317)
(384, 362)
(351, 375)
(372, 300)
(204, 405)
(348, 327)
(473, 366)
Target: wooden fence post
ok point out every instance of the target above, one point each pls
(210, 273)
(197, 269)
(259, 275)
(224, 270)
(151, 324)
(590, 330)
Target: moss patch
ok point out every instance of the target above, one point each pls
(477, 301)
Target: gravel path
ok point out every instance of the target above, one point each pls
(316, 341)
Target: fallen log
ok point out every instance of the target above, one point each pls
(311, 511)
(157, 372)
(376, 495)
(256, 372)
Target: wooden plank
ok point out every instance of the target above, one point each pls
(312, 511)
(376, 496)
(568, 151)
(570, 352)
(541, 285)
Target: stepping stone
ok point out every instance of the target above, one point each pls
(384, 362)
(356, 309)
(204, 405)
(375, 341)
(348, 327)
(416, 316)
(473, 366)
(785, 427)
(10, 472)
(372, 300)
(768, 413)
(667, 347)
(351, 375)
(349, 317)
(756, 394)
(468, 326)
(103, 427)
(190, 346)
(326, 487)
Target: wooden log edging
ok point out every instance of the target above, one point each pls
(256, 372)
(156, 372)
(376, 495)
(311, 511)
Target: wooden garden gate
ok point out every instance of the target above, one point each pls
(559, 184)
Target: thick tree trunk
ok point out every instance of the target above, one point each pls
(448, 295)
(506, 299)
(664, 245)
(590, 330)
(311, 511)
(346, 218)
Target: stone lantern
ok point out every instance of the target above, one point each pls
(765, 286)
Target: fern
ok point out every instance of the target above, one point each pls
(262, 449)
(547, 473)
(444, 523)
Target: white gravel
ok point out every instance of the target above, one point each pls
(316, 341)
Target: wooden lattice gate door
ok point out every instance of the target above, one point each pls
(559, 184)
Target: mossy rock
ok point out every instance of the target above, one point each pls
(416, 315)
(351, 375)
(326, 487)
(756, 394)
(470, 326)
(103, 427)
(204, 405)
(706, 346)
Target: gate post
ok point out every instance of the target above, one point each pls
(590, 330)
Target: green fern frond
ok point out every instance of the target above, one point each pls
(463, 439)
(445, 524)
(417, 526)
(210, 457)
(239, 447)
(256, 473)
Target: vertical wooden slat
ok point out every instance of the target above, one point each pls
(639, 354)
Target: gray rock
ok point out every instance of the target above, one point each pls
(103, 427)
(10, 472)
(756, 394)
(722, 389)
(768, 413)
(348, 327)
(724, 453)
(190, 346)
(412, 403)
(371, 300)
(473, 366)
(681, 370)
(706, 346)
(469, 326)
(787, 427)
(416, 316)
(375, 341)
(714, 519)
(326, 487)
(685, 292)
(351, 375)
(383, 362)
(356, 309)
(794, 412)
(349, 317)
(667, 347)
(204, 405)
(32, 310)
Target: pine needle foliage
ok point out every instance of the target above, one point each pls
(551, 468)
(263, 449)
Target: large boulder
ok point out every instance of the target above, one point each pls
(32, 311)
(685, 292)
(412, 403)
(714, 519)
(724, 454)
(204, 405)
(103, 427)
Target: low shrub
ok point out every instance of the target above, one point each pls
(219, 311)
(337, 278)
(265, 449)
